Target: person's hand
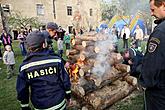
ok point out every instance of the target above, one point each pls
(130, 62)
(140, 88)
(69, 103)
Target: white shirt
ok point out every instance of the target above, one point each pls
(60, 44)
(139, 34)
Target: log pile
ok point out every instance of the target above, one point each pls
(98, 91)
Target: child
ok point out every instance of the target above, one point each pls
(44, 73)
(60, 47)
(8, 58)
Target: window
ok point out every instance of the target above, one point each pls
(6, 8)
(40, 9)
(69, 10)
(90, 12)
(70, 29)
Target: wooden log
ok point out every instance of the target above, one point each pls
(97, 49)
(112, 75)
(108, 95)
(89, 49)
(78, 90)
(78, 47)
(71, 52)
(88, 38)
(88, 43)
(95, 82)
(76, 41)
(85, 69)
(90, 34)
(131, 80)
(76, 58)
(115, 58)
(86, 55)
(122, 67)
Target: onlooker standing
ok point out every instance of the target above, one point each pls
(61, 33)
(44, 73)
(138, 36)
(21, 37)
(50, 33)
(30, 29)
(125, 35)
(153, 66)
(9, 60)
(60, 47)
(6, 39)
(115, 40)
(67, 40)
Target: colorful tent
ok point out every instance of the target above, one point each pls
(120, 21)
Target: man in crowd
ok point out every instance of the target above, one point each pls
(125, 34)
(133, 58)
(153, 66)
(50, 33)
(138, 36)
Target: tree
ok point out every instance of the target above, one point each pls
(16, 20)
(108, 10)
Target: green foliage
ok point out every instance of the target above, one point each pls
(16, 20)
(108, 11)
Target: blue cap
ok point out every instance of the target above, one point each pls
(35, 39)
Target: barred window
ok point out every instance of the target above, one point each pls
(6, 8)
(69, 10)
(40, 9)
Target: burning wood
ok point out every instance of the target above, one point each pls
(76, 42)
(73, 71)
(78, 47)
(108, 95)
(94, 82)
(96, 87)
(87, 43)
(71, 52)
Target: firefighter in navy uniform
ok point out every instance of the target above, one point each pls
(153, 66)
(133, 58)
(44, 74)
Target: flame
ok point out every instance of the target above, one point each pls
(73, 71)
(80, 62)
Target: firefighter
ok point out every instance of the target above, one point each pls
(44, 74)
(133, 58)
(153, 66)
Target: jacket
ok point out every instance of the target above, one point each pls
(47, 78)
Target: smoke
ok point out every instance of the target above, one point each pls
(105, 46)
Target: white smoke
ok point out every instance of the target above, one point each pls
(105, 47)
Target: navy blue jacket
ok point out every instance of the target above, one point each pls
(136, 58)
(153, 69)
(47, 78)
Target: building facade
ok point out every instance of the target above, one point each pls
(60, 11)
